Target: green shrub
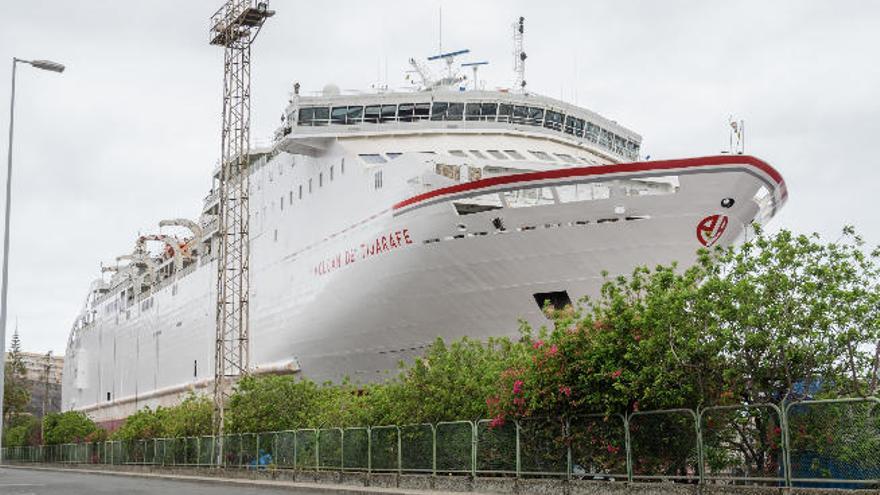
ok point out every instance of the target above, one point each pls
(68, 427)
(21, 431)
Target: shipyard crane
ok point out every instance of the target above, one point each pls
(234, 27)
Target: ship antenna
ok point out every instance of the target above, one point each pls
(475, 66)
(234, 27)
(440, 32)
(737, 136)
(519, 55)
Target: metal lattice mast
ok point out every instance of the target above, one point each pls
(519, 55)
(234, 27)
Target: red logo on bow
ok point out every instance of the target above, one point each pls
(710, 229)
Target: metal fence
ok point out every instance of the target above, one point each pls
(808, 443)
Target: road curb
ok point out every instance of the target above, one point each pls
(295, 486)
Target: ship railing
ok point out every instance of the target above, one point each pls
(830, 442)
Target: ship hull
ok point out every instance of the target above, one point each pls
(362, 299)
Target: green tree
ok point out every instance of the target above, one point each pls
(778, 317)
(16, 395)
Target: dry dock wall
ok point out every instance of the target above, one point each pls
(462, 484)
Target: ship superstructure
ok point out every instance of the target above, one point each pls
(380, 221)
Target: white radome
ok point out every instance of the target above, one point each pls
(382, 221)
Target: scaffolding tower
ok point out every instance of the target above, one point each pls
(234, 27)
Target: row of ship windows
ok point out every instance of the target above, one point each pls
(376, 158)
(571, 193)
(487, 112)
(331, 174)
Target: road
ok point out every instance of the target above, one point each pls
(33, 482)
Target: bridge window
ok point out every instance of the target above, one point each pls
(346, 115)
(520, 114)
(536, 115)
(438, 111)
(553, 120)
(488, 110)
(592, 132)
(355, 114)
(447, 111)
(314, 115)
(505, 111)
(455, 111)
(422, 111)
(497, 154)
(574, 126)
(389, 113)
(473, 111)
(392, 156)
(478, 154)
(405, 112)
(566, 158)
(459, 153)
(372, 114)
(338, 114)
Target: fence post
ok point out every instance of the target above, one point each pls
(786, 445)
(295, 465)
(568, 460)
(369, 450)
(629, 466)
(317, 449)
(473, 449)
(698, 424)
(399, 453)
(433, 450)
(518, 456)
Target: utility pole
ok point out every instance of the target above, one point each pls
(234, 27)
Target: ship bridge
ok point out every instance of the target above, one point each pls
(312, 122)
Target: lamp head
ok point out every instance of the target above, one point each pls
(47, 65)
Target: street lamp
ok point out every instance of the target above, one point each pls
(44, 65)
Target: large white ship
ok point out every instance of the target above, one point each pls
(380, 221)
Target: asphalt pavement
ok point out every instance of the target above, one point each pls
(34, 482)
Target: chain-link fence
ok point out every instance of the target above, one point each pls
(819, 443)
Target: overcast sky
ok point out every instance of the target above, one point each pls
(129, 134)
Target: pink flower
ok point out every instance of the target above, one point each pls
(537, 344)
(553, 350)
(519, 401)
(565, 390)
(517, 387)
(616, 374)
(496, 422)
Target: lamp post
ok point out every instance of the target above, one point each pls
(44, 65)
